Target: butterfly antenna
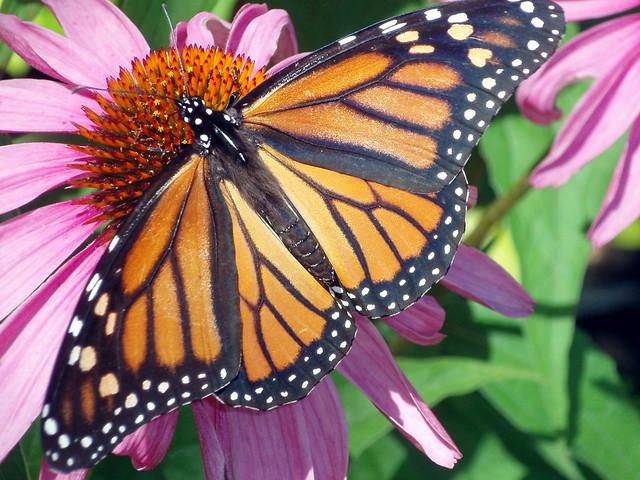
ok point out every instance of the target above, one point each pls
(174, 44)
(78, 88)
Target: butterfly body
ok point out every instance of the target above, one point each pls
(231, 154)
(334, 186)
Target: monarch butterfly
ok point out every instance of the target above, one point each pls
(334, 186)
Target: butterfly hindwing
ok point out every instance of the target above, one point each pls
(294, 331)
(157, 326)
(403, 102)
(387, 246)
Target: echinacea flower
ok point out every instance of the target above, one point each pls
(608, 54)
(49, 253)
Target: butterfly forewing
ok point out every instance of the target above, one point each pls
(404, 102)
(157, 326)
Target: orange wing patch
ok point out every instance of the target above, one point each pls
(387, 246)
(343, 126)
(324, 83)
(427, 75)
(293, 330)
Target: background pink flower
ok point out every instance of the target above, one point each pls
(41, 278)
(607, 53)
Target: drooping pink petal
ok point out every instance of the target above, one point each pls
(286, 62)
(621, 205)
(576, 10)
(602, 116)
(477, 277)
(28, 105)
(34, 244)
(204, 30)
(27, 362)
(53, 54)
(245, 15)
(148, 445)
(207, 414)
(47, 474)
(30, 169)
(268, 38)
(592, 54)
(305, 440)
(420, 323)
(331, 459)
(113, 38)
(371, 367)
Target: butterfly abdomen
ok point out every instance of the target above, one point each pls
(299, 240)
(262, 191)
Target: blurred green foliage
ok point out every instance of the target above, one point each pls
(524, 399)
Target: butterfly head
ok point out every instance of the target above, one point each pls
(193, 110)
(211, 127)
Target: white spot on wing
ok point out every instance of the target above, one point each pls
(394, 28)
(458, 18)
(346, 40)
(432, 14)
(92, 282)
(527, 7)
(388, 24)
(114, 242)
(75, 327)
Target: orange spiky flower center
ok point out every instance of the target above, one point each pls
(139, 130)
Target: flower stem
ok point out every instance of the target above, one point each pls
(497, 210)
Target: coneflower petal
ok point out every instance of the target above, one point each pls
(474, 275)
(41, 106)
(421, 323)
(203, 30)
(602, 116)
(621, 205)
(148, 445)
(371, 367)
(30, 169)
(304, 440)
(114, 39)
(53, 54)
(268, 38)
(592, 54)
(33, 245)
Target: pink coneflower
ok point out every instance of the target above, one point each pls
(607, 53)
(45, 263)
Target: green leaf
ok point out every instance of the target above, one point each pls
(558, 454)
(548, 228)
(184, 460)
(607, 424)
(511, 146)
(380, 461)
(440, 378)
(149, 17)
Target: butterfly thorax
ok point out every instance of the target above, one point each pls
(213, 129)
(217, 136)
